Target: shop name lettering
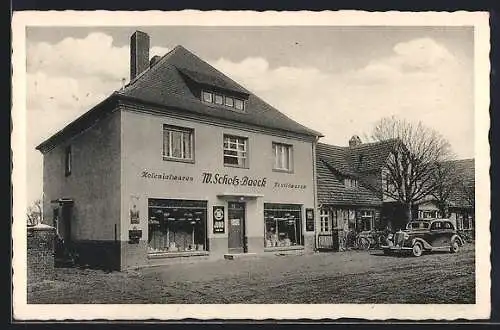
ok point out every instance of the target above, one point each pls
(236, 180)
(163, 176)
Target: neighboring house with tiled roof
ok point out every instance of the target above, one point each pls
(460, 204)
(174, 163)
(350, 186)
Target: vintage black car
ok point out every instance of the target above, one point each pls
(424, 235)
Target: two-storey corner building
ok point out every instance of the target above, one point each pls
(182, 161)
(350, 189)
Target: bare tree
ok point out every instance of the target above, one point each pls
(446, 182)
(469, 193)
(410, 170)
(34, 213)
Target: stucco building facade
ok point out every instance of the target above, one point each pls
(181, 162)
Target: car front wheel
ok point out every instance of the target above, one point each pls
(455, 246)
(417, 249)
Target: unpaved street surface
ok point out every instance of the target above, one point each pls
(346, 277)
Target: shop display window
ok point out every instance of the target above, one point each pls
(177, 226)
(283, 225)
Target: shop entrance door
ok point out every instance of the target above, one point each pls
(236, 227)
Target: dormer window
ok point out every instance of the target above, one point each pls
(219, 99)
(207, 97)
(238, 104)
(350, 183)
(224, 100)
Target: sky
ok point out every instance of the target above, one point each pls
(338, 80)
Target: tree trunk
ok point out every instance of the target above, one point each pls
(408, 213)
(443, 210)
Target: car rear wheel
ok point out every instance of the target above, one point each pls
(417, 249)
(455, 246)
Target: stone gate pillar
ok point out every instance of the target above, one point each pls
(40, 244)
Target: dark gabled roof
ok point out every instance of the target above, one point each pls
(353, 161)
(332, 191)
(363, 162)
(369, 157)
(465, 168)
(164, 84)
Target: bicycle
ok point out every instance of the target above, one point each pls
(356, 241)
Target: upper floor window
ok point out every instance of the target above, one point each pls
(67, 161)
(178, 143)
(228, 101)
(350, 183)
(207, 97)
(235, 151)
(219, 99)
(283, 157)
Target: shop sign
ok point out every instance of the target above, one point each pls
(233, 180)
(134, 211)
(289, 185)
(309, 219)
(134, 235)
(218, 217)
(165, 176)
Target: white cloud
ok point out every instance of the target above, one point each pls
(65, 80)
(420, 80)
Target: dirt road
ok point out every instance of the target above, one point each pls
(348, 277)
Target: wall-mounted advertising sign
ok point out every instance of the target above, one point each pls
(218, 217)
(134, 210)
(309, 219)
(134, 235)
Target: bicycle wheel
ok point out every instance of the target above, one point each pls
(364, 243)
(342, 244)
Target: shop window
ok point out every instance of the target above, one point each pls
(68, 161)
(283, 225)
(283, 157)
(324, 218)
(235, 151)
(177, 225)
(178, 143)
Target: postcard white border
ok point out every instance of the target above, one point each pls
(480, 310)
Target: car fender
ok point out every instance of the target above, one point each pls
(423, 242)
(457, 237)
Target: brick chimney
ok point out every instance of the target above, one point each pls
(354, 141)
(139, 53)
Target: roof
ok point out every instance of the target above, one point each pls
(363, 162)
(465, 168)
(168, 85)
(165, 84)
